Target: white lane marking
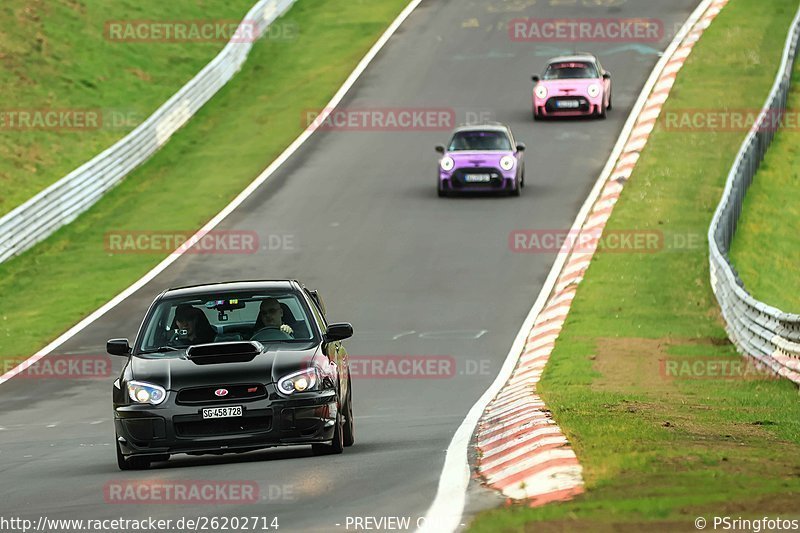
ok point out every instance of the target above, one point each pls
(52, 425)
(403, 334)
(228, 209)
(445, 512)
(454, 334)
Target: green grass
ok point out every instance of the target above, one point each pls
(52, 286)
(54, 55)
(765, 249)
(659, 452)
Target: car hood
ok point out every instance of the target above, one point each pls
(478, 159)
(174, 370)
(563, 87)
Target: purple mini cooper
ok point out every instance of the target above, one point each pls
(481, 159)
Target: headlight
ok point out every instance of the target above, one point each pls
(540, 91)
(141, 392)
(447, 163)
(593, 90)
(302, 381)
(507, 162)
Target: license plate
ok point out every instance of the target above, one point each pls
(477, 178)
(568, 104)
(222, 412)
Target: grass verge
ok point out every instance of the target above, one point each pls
(55, 55)
(54, 285)
(765, 249)
(631, 380)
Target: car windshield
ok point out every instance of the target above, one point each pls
(569, 71)
(480, 141)
(264, 316)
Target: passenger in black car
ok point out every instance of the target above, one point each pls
(192, 326)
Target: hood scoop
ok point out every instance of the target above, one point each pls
(224, 352)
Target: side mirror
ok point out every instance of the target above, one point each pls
(440, 148)
(520, 147)
(535, 78)
(606, 75)
(118, 347)
(339, 332)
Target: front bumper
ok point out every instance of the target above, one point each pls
(457, 180)
(551, 106)
(172, 428)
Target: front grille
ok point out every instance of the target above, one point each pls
(459, 179)
(206, 395)
(223, 426)
(583, 104)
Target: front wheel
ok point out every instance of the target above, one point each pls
(349, 437)
(337, 444)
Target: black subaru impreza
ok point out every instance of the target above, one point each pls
(232, 367)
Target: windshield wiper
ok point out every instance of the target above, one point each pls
(162, 349)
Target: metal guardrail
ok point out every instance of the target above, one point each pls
(756, 329)
(63, 201)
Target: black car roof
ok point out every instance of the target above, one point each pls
(232, 286)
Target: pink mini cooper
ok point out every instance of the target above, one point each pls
(572, 86)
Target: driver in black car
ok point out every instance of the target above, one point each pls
(269, 324)
(191, 326)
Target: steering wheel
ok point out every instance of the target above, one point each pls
(255, 335)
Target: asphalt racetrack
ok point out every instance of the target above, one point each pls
(355, 215)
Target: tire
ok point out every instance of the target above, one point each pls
(131, 463)
(536, 117)
(441, 193)
(349, 436)
(522, 181)
(610, 97)
(515, 191)
(337, 444)
(602, 115)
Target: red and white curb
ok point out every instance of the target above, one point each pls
(521, 451)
